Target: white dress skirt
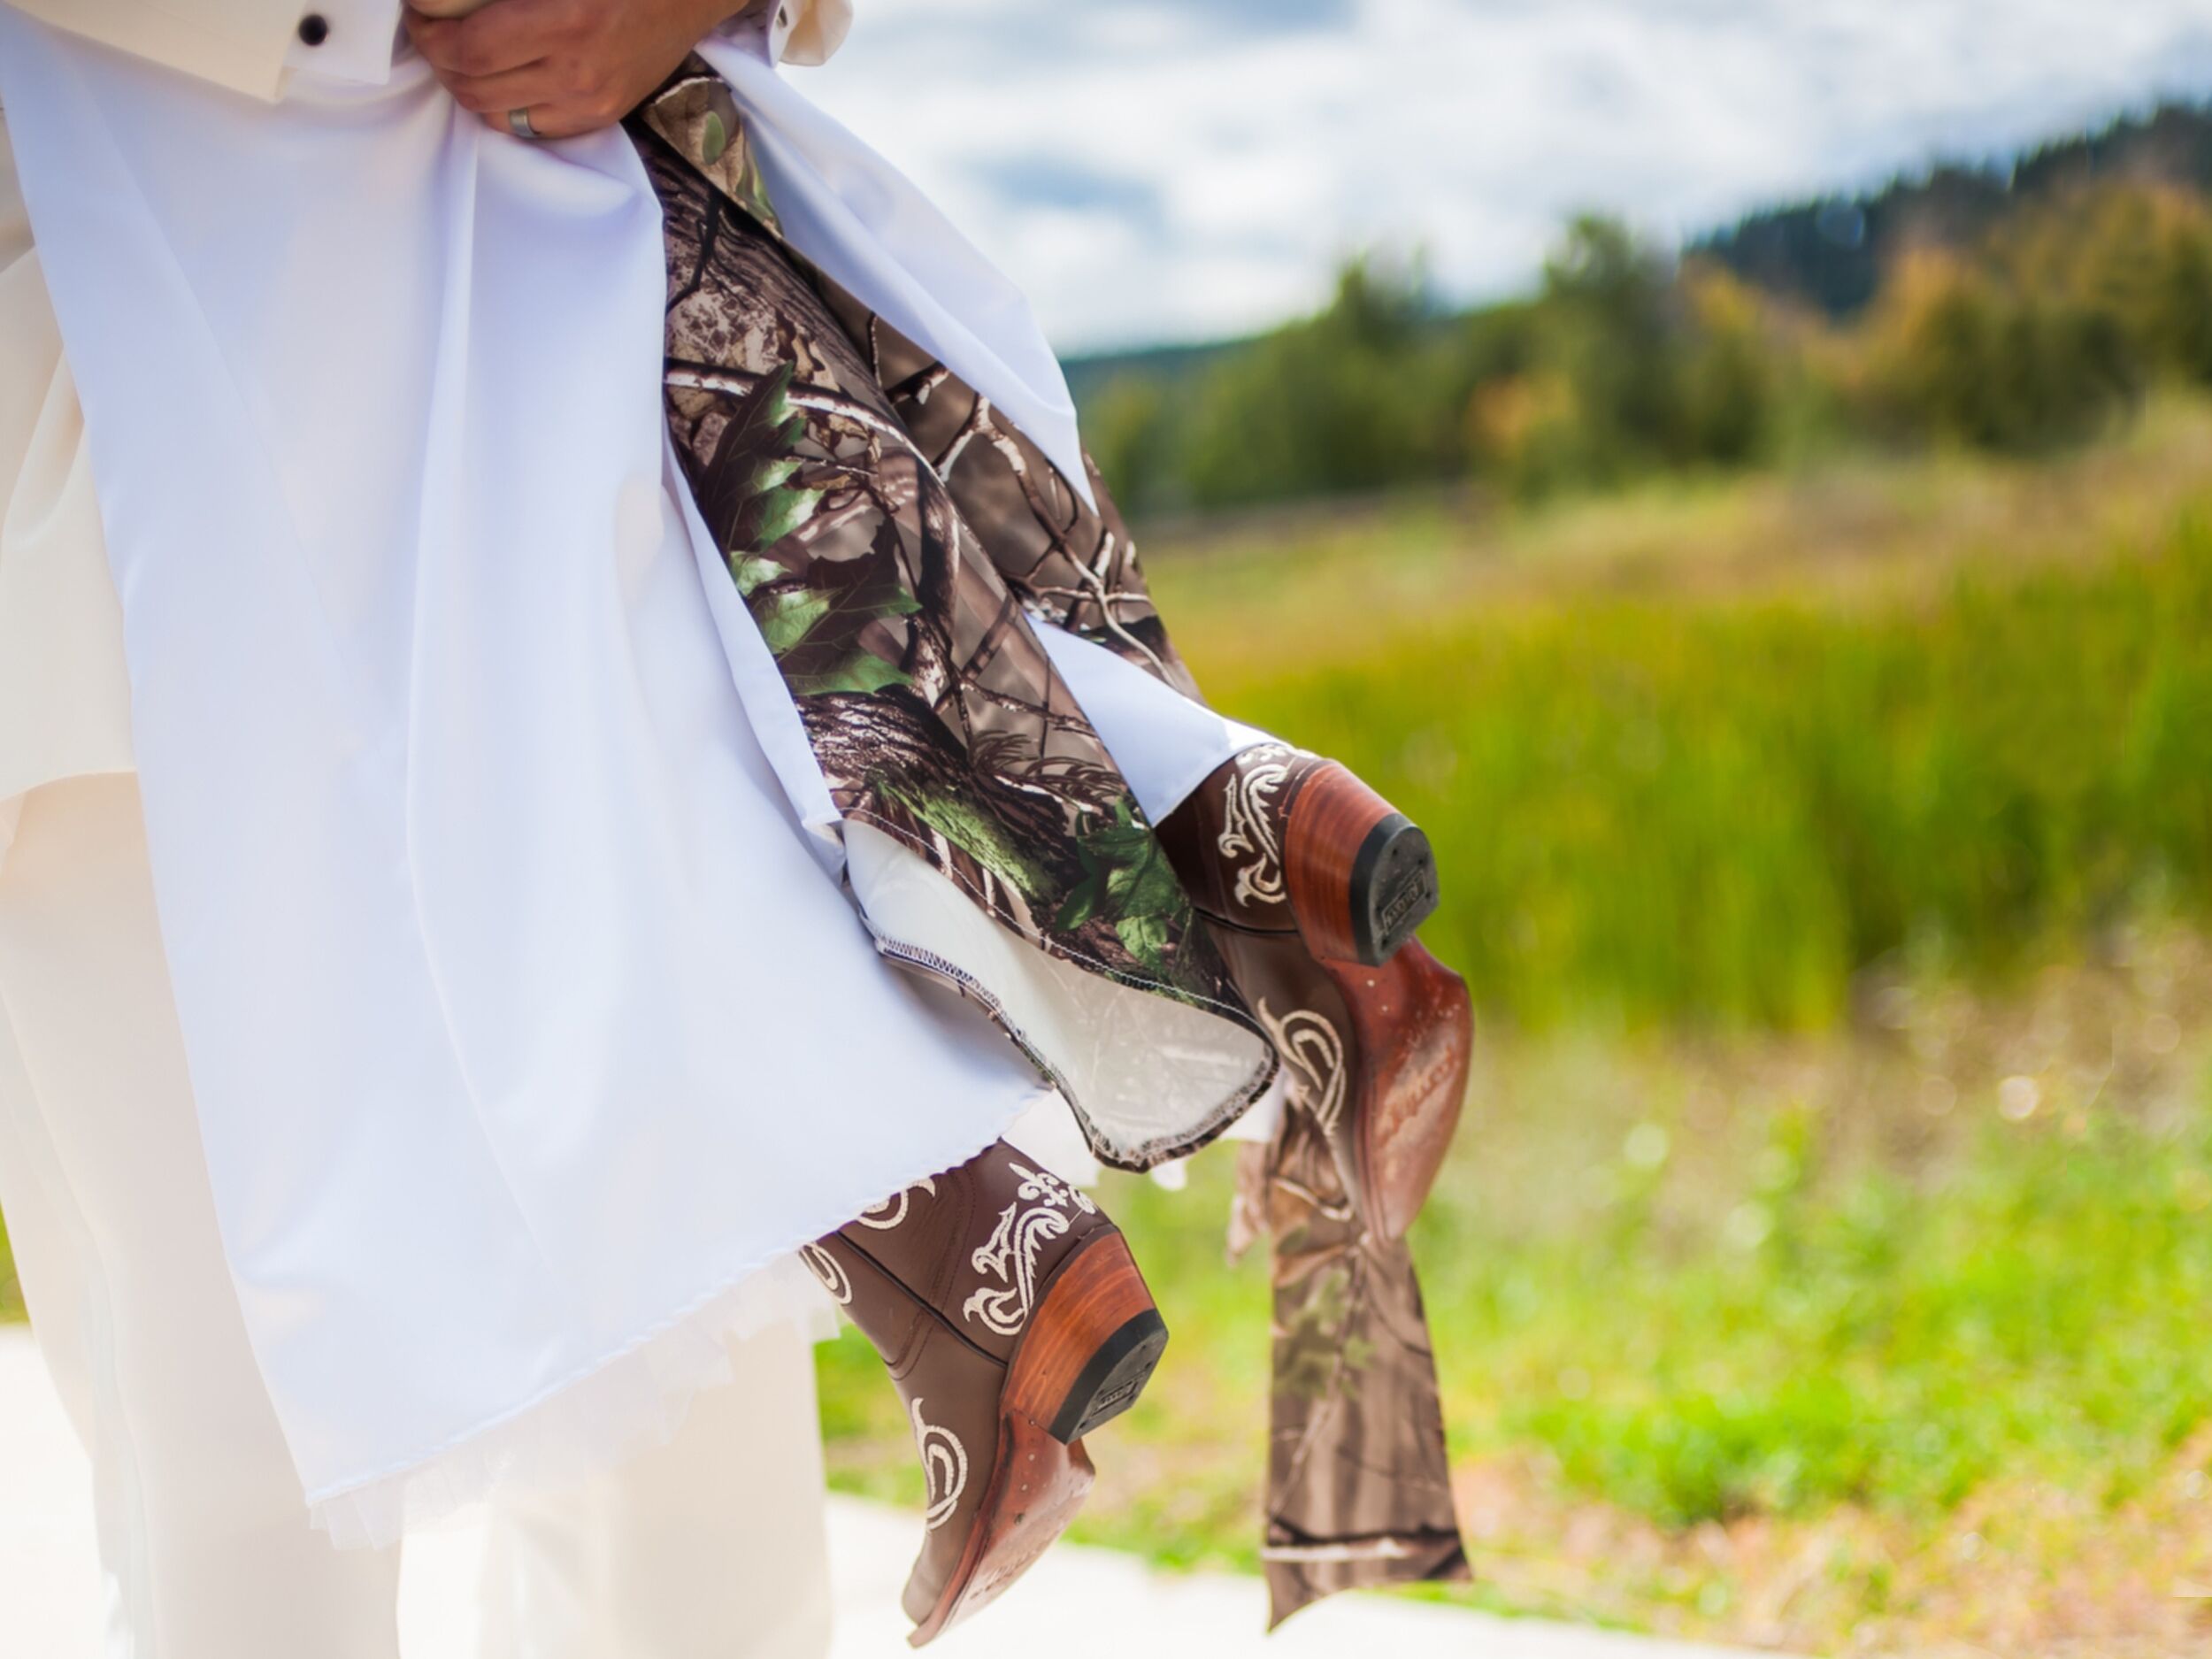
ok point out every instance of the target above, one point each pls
(530, 1025)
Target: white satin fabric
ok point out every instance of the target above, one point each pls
(524, 1025)
(64, 703)
(527, 1025)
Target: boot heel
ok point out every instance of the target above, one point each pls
(1091, 1346)
(1362, 874)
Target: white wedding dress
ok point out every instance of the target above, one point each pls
(530, 1025)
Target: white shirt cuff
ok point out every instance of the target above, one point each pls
(357, 40)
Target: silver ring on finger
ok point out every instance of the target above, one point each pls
(519, 124)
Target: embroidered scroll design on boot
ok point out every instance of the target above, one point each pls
(1044, 1185)
(875, 1214)
(1315, 1047)
(1247, 824)
(1011, 1254)
(944, 1468)
(826, 1270)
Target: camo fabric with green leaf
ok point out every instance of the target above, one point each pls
(1126, 881)
(696, 113)
(911, 654)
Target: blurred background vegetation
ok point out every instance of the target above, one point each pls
(2015, 312)
(1799, 648)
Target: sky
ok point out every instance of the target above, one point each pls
(1162, 170)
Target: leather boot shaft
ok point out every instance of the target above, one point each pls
(1313, 885)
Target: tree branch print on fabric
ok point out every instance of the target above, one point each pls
(932, 705)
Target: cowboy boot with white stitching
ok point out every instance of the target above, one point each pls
(1013, 1321)
(1312, 886)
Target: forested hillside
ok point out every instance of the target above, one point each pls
(2015, 310)
(1831, 251)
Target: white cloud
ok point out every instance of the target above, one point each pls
(1157, 169)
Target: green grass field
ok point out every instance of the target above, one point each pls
(1661, 791)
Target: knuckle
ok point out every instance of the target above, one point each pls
(434, 42)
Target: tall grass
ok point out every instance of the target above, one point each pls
(1888, 1339)
(1721, 812)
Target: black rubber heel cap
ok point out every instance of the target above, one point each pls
(1116, 1376)
(1394, 888)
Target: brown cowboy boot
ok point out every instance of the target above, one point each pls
(1313, 885)
(1014, 1322)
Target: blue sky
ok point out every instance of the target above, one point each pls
(1181, 169)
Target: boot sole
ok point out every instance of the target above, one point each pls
(1089, 1349)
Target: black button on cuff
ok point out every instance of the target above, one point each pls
(314, 29)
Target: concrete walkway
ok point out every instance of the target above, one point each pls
(1078, 1603)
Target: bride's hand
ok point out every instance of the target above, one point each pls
(575, 66)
